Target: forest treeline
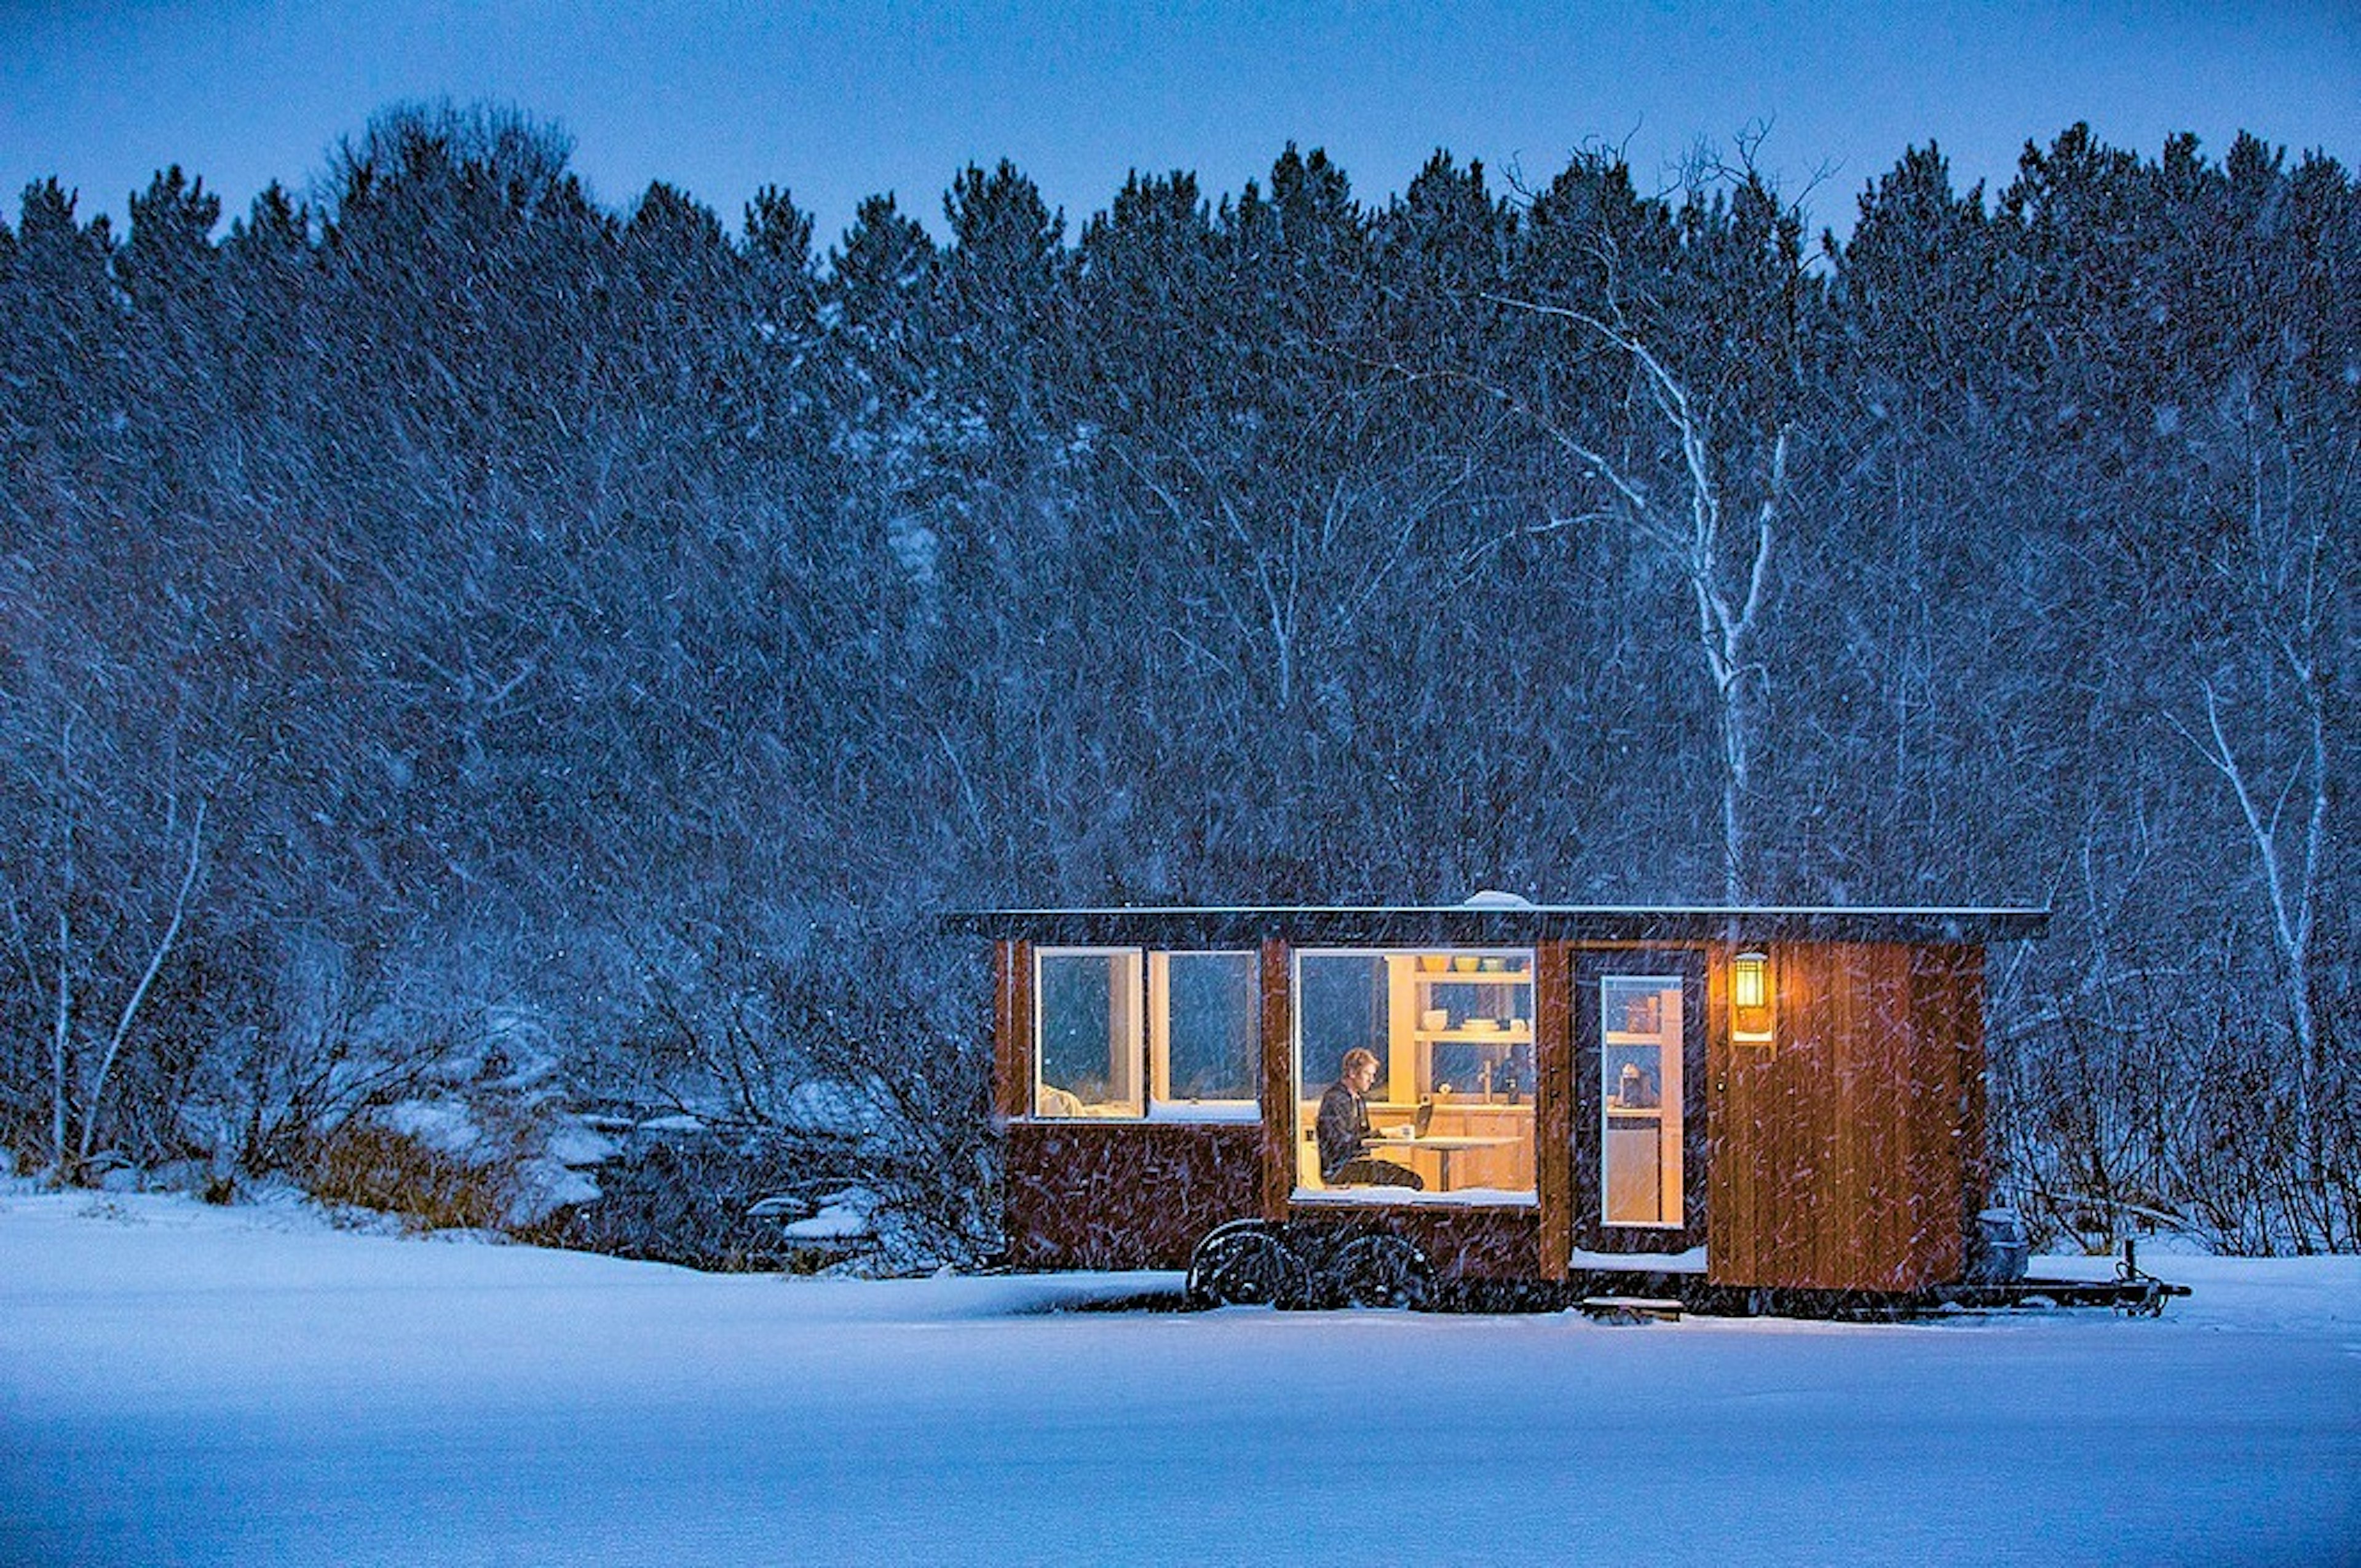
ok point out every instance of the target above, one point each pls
(471, 659)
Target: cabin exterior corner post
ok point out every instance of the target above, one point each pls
(1279, 1087)
(1554, 1094)
(1012, 1030)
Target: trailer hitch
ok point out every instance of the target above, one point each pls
(2145, 1294)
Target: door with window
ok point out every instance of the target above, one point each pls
(1639, 1101)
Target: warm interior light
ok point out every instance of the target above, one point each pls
(1750, 996)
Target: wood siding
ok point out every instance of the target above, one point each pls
(1012, 1030)
(1462, 1242)
(1947, 994)
(1553, 1103)
(1124, 1194)
(1278, 1089)
(1848, 1156)
(1844, 1154)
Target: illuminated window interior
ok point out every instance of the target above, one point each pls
(1639, 1099)
(1451, 1098)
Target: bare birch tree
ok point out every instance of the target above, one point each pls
(1695, 465)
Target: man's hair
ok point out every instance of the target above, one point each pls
(1359, 1055)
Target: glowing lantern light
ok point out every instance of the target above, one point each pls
(1749, 998)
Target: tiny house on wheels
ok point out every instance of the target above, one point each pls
(1729, 1109)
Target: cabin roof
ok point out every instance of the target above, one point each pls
(1500, 921)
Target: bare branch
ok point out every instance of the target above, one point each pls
(139, 992)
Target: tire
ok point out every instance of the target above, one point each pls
(1380, 1272)
(1245, 1264)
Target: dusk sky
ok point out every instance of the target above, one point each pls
(839, 101)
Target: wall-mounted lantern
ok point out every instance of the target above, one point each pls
(1749, 998)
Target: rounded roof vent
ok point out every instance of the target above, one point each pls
(1493, 898)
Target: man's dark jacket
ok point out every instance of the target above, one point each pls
(1344, 1123)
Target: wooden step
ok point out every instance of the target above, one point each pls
(1629, 1308)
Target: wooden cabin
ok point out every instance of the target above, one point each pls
(1767, 1098)
(1762, 1099)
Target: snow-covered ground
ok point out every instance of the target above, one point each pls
(186, 1385)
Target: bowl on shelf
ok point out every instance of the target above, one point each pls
(1434, 963)
(1494, 966)
(1465, 963)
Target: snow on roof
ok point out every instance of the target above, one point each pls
(1490, 916)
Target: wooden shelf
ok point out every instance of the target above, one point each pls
(1477, 976)
(1624, 1037)
(1651, 1112)
(1476, 1036)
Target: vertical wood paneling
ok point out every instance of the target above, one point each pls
(1852, 1223)
(1012, 1029)
(1948, 984)
(1124, 1194)
(1936, 1146)
(1842, 1153)
(1887, 1051)
(1974, 1066)
(1553, 1101)
(1807, 1200)
(1279, 1091)
(1741, 1230)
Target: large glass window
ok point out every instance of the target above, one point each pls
(1343, 1002)
(1639, 1099)
(1088, 1063)
(1437, 1049)
(1206, 1043)
(1190, 1052)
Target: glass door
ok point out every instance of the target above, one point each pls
(1638, 1121)
(1640, 1094)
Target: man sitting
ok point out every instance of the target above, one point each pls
(1344, 1130)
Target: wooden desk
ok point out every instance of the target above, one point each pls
(1447, 1152)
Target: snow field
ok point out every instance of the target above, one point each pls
(185, 1385)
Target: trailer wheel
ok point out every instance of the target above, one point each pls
(1381, 1271)
(1245, 1264)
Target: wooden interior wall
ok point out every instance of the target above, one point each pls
(1840, 1152)
(1012, 1030)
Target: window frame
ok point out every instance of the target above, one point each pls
(1135, 993)
(1161, 1103)
(1307, 1091)
(1669, 1170)
(1147, 988)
